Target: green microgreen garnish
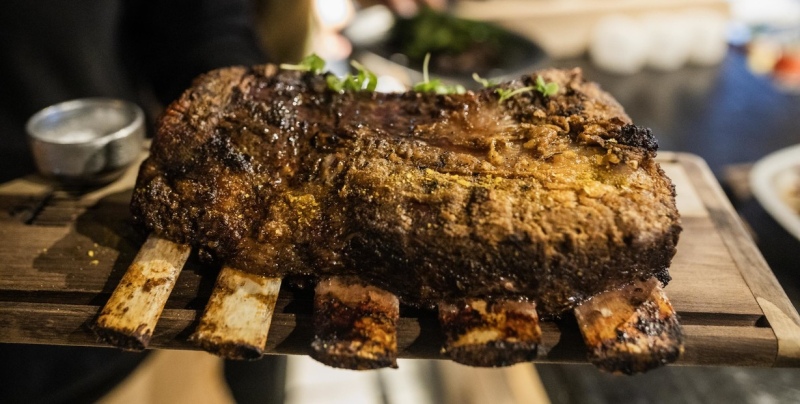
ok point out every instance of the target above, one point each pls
(364, 80)
(435, 86)
(311, 63)
(547, 89)
(508, 93)
(486, 83)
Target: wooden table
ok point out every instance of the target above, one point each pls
(63, 255)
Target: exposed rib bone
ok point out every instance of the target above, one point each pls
(630, 330)
(481, 333)
(130, 315)
(236, 321)
(355, 325)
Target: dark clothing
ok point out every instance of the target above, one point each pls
(139, 50)
(58, 374)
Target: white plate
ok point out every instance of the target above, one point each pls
(772, 179)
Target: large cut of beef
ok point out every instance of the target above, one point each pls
(431, 197)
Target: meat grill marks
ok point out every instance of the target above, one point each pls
(432, 198)
(489, 211)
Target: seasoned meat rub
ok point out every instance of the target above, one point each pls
(431, 197)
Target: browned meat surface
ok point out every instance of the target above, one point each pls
(430, 197)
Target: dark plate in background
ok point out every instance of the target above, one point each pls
(397, 46)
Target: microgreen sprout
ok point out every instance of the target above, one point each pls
(508, 93)
(364, 80)
(311, 63)
(435, 86)
(547, 89)
(486, 83)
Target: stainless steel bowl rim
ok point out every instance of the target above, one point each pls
(81, 103)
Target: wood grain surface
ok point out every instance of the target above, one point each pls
(63, 254)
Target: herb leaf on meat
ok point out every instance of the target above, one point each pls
(508, 93)
(435, 86)
(486, 83)
(547, 89)
(363, 80)
(311, 63)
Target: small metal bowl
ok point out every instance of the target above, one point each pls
(86, 142)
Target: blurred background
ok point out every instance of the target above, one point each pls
(502, 37)
(717, 78)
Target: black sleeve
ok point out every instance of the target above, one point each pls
(173, 41)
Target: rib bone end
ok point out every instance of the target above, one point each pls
(355, 325)
(129, 339)
(631, 330)
(228, 349)
(490, 334)
(131, 313)
(236, 321)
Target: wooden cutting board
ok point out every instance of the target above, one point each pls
(62, 255)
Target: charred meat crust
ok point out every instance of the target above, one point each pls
(637, 136)
(432, 197)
